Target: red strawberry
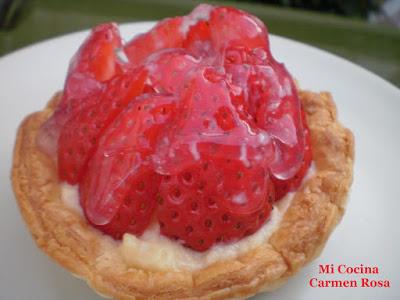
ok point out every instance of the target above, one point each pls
(233, 27)
(196, 30)
(271, 100)
(94, 62)
(282, 187)
(208, 125)
(241, 65)
(211, 31)
(214, 201)
(198, 40)
(132, 206)
(217, 187)
(166, 34)
(96, 56)
(169, 70)
(278, 113)
(119, 172)
(78, 137)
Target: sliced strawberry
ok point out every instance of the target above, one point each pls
(79, 136)
(214, 201)
(122, 160)
(133, 200)
(97, 55)
(282, 187)
(271, 99)
(212, 32)
(241, 65)
(94, 62)
(166, 34)
(233, 27)
(169, 70)
(198, 40)
(208, 125)
(278, 112)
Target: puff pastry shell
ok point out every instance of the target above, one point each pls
(66, 237)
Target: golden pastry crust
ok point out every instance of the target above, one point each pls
(65, 236)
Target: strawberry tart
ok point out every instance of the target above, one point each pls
(185, 163)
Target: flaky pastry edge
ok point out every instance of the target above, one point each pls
(65, 235)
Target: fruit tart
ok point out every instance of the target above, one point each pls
(185, 163)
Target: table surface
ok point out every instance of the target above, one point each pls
(376, 48)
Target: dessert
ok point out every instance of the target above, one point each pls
(184, 163)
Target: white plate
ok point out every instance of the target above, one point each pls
(368, 234)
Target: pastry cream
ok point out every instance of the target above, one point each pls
(70, 196)
(152, 251)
